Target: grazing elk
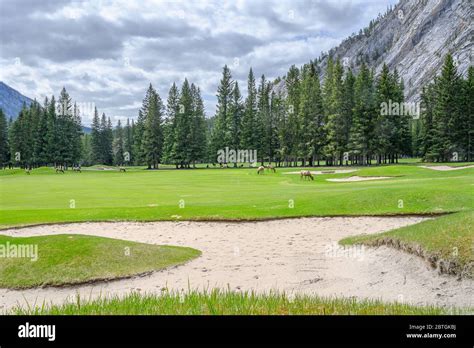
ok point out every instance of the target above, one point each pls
(306, 174)
(59, 169)
(271, 168)
(77, 169)
(261, 169)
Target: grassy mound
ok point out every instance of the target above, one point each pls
(73, 259)
(219, 302)
(446, 242)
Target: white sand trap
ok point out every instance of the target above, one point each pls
(294, 255)
(360, 178)
(325, 172)
(446, 168)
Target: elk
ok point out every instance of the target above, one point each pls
(306, 174)
(59, 169)
(271, 168)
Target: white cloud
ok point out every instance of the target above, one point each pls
(107, 52)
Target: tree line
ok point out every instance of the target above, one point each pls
(42, 135)
(346, 118)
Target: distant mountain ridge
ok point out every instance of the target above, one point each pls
(12, 101)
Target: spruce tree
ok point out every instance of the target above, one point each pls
(221, 135)
(183, 126)
(445, 112)
(249, 121)
(236, 115)
(362, 142)
(118, 144)
(169, 128)
(263, 128)
(3, 139)
(152, 141)
(96, 142)
(335, 126)
(197, 140)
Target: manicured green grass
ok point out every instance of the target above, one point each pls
(138, 194)
(449, 239)
(218, 302)
(72, 259)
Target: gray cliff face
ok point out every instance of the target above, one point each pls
(413, 38)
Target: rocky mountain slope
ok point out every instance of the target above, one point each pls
(413, 37)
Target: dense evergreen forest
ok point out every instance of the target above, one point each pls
(344, 119)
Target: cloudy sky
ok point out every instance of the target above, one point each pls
(107, 52)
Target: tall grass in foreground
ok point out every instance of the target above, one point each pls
(220, 302)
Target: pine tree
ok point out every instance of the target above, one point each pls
(76, 135)
(138, 154)
(426, 120)
(312, 133)
(41, 131)
(347, 109)
(263, 128)
(183, 126)
(3, 139)
(108, 138)
(96, 140)
(198, 127)
(236, 115)
(362, 142)
(86, 155)
(468, 112)
(53, 135)
(64, 127)
(335, 126)
(386, 132)
(402, 122)
(118, 145)
(152, 141)
(221, 135)
(128, 142)
(249, 121)
(445, 112)
(169, 128)
(292, 108)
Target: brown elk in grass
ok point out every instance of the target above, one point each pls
(271, 168)
(306, 174)
(261, 169)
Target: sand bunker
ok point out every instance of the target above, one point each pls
(324, 172)
(446, 168)
(292, 255)
(360, 178)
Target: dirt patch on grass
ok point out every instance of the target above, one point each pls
(325, 172)
(446, 168)
(360, 178)
(291, 255)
